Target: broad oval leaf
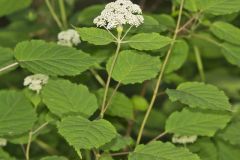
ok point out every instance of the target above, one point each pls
(191, 123)
(148, 41)
(119, 106)
(63, 97)
(10, 6)
(84, 134)
(132, 67)
(161, 151)
(178, 57)
(231, 133)
(200, 95)
(219, 7)
(95, 36)
(231, 53)
(226, 31)
(51, 59)
(17, 114)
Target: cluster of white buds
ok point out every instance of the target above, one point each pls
(35, 82)
(3, 142)
(69, 38)
(119, 13)
(184, 139)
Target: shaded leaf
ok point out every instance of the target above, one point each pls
(231, 53)
(161, 151)
(191, 123)
(10, 6)
(95, 36)
(51, 59)
(17, 114)
(84, 134)
(226, 31)
(132, 67)
(148, 41)
(63, 97)
(200, 95)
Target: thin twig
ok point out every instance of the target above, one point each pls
(63, 13)
(8, 67)
(158, 137)
(160, 76)
(111, 34)
(119, 154)
(39, 128)
(110, 74)
(199, 63)
(98, 77)
(54, 15)
(126, 32)
(110, 99)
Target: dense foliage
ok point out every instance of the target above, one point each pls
(140, 80)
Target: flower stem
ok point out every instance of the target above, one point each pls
(98, 77)
(199, 63)
(160, 76)
(8, 67)
(54, 15)
(63, 13)
(110, 74)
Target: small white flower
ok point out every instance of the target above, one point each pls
(68, 38)
(119, 13)
(184, 139)
(35, 82)
(3, 142)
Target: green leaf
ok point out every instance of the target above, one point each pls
(10, 6)
(200, 95)
(105, 156)
(226, 31)
(139, 103)
(150, 25)
(119, 106)
(219, 7)
(5, 156)
(63, 97)
(95, 36)
(117, 143)
(227, 151)
(54, 158)
(148, 41)
(161, 151)
(132, 67)
(166, 22)
(86, 16)
(17, 114)
(178, 57)
(205, 148)
(84, 134)
(231, 133)
(231, 53)
(190, 5)
(51, 59)
(191, 123)
(6, 57)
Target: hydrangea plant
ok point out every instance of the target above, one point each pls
(124, 80)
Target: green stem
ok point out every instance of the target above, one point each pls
(110, 74)
(8, 67)
(111, 97)
(199, 63)
(160, 76)
(46, 147)
(54, 15)
(28, 145)
(98, 77)
(63, 13)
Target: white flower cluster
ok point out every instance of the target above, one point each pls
(69, 38)
(3, 142)
(35, 82)
(184, 139)
(119, 13)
